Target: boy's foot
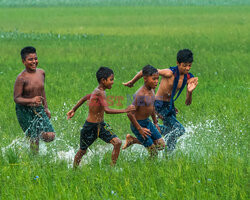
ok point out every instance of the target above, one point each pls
(129, 141)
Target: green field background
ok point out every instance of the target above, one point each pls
(47, 3)
(211, 160)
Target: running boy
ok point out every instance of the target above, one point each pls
(29, 96)
(94, 126)
(145, 131)
(173, 80)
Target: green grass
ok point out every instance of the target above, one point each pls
(48, 3)
(211, 160)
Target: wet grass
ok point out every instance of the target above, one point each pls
(211, 160)
(70, 3)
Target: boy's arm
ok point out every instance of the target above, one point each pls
(81, 101)
(167, 73)
(18, 90)
(162, 72)
(45, 101)
(191, 85)
(104, 103)
(143, 131)
(71, 113)
(155, 121)
(134, 80)
(153, 116)
(45, 104)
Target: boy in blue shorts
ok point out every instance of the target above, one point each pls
(146, 132)
(173, 81)
(94, 125)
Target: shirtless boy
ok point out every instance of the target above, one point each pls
(173, 80)
(146, 132)
(29, 96)
(94, 126)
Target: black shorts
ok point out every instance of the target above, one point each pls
(91, 131)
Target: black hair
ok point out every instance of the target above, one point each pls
(103, 72)
(185, 56)
(27, 50)
(149, 70)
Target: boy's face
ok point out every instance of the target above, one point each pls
(31, 61)
(184, 68)
(152, 80)
(109, 82)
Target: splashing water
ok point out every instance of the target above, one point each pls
(197, 142)
(202, 140)
(22, 144)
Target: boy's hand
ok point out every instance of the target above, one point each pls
(145, 132)
(128, 84)
(36, 101)
(156, 125)
(130, 108)
(70, 114)
(160, 116)
(192, 84)
(47, 112)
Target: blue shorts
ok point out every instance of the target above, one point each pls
(172, 128)
(162, 108)
(149, 141)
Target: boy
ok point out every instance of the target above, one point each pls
(94, 125)
(29, 96)
(173, 80)
(145, 131)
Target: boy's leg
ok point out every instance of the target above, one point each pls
(147, 142)
(173, 131)
(79, 156)
(156, 137)
(160, 144)
(107, 135)
(87, 136)
(152, 150)
(28, 122)
(116, 150)
(48, 136)
(34, 145)
(130, 140)
(48, 133)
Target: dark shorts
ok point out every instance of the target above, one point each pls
(91, 131)
(162, 108)
(33, 120)
(172, 128)
(149, 141)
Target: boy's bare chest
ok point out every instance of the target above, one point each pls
(33, 82)
(168, 84)
(146, 99)
(180, 84)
